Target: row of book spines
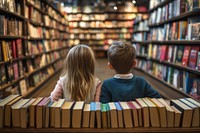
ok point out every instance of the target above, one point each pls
(183, 55)
(10, 50)
(10, 26)
(184, 81)
(78, 107)
(36, 16)
(178, 7)
(171, 31)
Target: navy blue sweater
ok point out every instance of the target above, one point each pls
(114, 90)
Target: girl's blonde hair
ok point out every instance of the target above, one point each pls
(78, 73)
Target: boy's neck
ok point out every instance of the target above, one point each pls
(124, 76)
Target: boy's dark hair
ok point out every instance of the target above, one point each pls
(121, 56)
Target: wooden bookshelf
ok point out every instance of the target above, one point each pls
(61, 27)
(144, 60)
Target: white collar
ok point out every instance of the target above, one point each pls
(124, 76)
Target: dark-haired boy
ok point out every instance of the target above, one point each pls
(124, 86)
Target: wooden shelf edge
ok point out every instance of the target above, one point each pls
(177, 18)
(32, 89)
(172, 42)
(176, 66)
(160, 5)
(164, 83)
(3, 11)
(100, 130)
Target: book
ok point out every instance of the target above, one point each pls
(58, 113)
(193, 102)
(24, 113)
(52, 114)
(179, 55)
(32, 112)
(23, 87)
(170, 112)
(187, 112)
(10, 72)
(86, 116)
(77, 114)
(193, 56)
(198, 61)
(186, 55)
(8, 112)
(145, 112)
(177, 116)
(98, 114)
(127, 116)
(92, 114)
(119, 115)
(195, 31)
(113, 115)
(40, 109)
(66, 114)
(3, 78)
(16, 121)
(134, 114)
(104, 115)
(196, 111)
(19, 48)
(47, 115)
(162, 112)
(2, 109)
(153, 111)
(16, 70)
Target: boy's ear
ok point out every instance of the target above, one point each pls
(134, 63)
(110, 66)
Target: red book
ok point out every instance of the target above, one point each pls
(19, 48)
(186, 55)
(16, 71)
(163, 53)
(193, 56)
(14, 52)
(134, 114)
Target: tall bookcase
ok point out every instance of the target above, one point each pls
(170, 52)
(33, 44)
(100, 27)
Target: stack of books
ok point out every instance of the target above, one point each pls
(41, 112)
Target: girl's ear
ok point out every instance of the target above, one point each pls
(110, 66)
(134, 63)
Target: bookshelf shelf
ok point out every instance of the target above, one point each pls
(194, 71)
(164, 82)
(85, 20)
(13, 60)
(75, 13)
(13, 82)
(178, 42)
(10, 37)
(160, 5)
(12, 14)
(140, 31)
(35, 7)
(183, 16)
(95, 130)
(32, 89)
(137, 12)
(119, 19)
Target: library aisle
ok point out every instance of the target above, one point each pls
(101, 71)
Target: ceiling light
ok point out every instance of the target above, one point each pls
(134, 1)
(115, 7)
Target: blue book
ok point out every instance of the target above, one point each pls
(92, 114)
(119, 115)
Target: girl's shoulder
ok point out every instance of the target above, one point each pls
(97, 80)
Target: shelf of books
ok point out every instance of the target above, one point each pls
(33, 43)
(100, 26)
(40, 114)
(170, 51)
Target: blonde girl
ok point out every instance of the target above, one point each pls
(77, 82)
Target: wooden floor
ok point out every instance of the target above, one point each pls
(102, 72)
